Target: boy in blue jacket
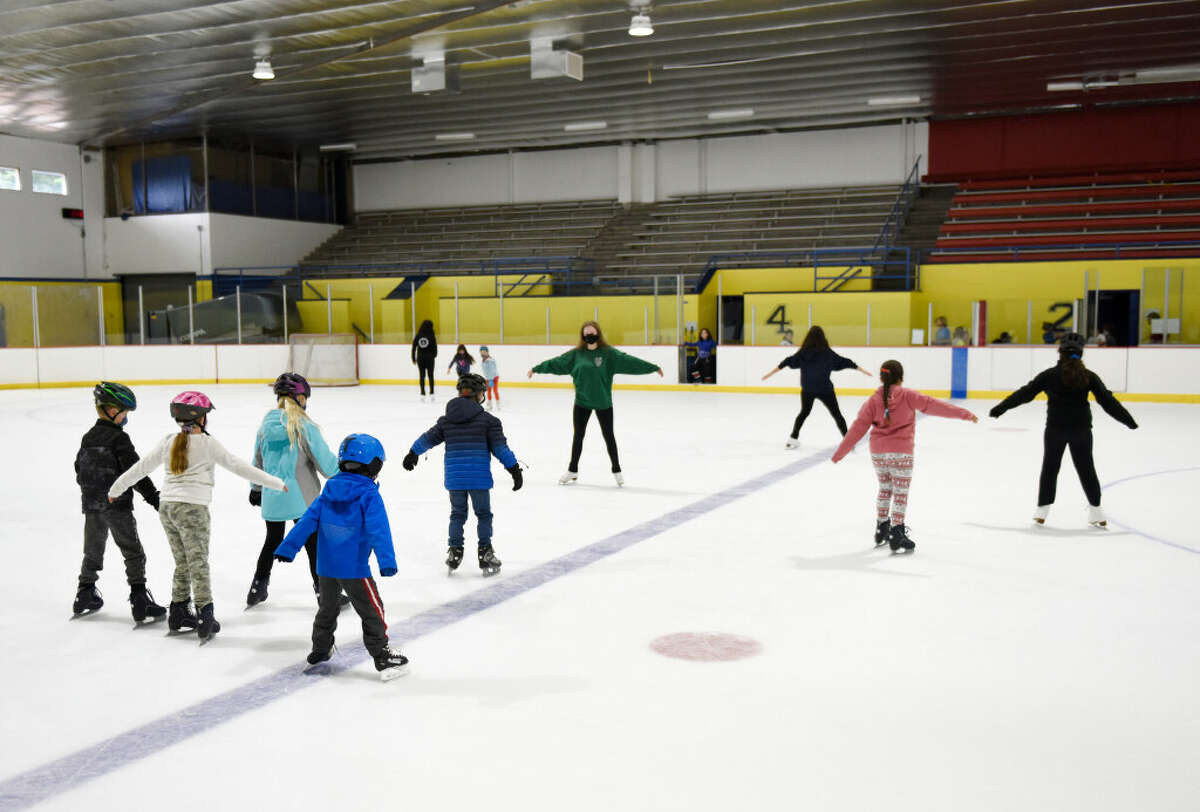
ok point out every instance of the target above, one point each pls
(471, 436)
(350, 522)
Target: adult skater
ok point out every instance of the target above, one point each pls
(891, 416)
(592, 365)
(424, 351)
(289, 445)
(1068, 423)
(816, 361)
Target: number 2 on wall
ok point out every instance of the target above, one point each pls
(779, 318)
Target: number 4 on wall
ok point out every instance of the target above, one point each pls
(779, 318)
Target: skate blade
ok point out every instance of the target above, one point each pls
(1039, 521)
(180, 632)
(389, 674)
(319, 670)
(490, 573)
(204, 641)
(78, 615)
(1099, 525)
(148, 622)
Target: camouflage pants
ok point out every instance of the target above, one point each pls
(187, 528)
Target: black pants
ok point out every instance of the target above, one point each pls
(96, 527)
(581, 416)
(425, 367)
(266, 558)
(364, 597)
(705, 369)
(1080, 441)
(829, 399)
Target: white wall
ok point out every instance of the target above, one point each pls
(157, 243)
(37, 241)
(239, 242)
(648, 172)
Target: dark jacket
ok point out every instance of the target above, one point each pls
(350, 522)
(1067, 408)
(104, 454)
(471, 436)
(424, 347)
(815, 367)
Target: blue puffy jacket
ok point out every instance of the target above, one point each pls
(350, 522)
(471, 436)
(297, 465)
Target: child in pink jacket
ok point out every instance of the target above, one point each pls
(891, 413)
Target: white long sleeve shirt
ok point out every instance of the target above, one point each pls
(193, 486)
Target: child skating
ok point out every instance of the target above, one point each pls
(105, 452)
(491, 374)
(1068, 424)
(472, 437)
(189, 456)
(461, 363)
(891, 416)
(350, 522)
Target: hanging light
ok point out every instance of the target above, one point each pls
(640, 25)
(263, 70)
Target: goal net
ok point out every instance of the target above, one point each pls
(325, 359)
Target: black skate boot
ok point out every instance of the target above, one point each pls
(454, 557)
(488, 561)
(899, 541)
(180, 617)
(882, 531)
(143, 605)
(208, 624)
(390, 664)
(87, 600)
(258, 592)
(315, 659)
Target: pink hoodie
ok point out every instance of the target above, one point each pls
(897, 436)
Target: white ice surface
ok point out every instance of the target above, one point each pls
(1002, 667)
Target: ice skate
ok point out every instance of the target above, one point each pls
(568, 478)
(489, 406)
(1096, 517)
(180, 617)
(87, 601)
(791, 443)
(390, 664)
(488, 563)
(620, 478)
(315, 660)
(899, 541)
(208, 626)
(1039, 515)
(142, 604)
(882, 531)
(454, 557)
(258, 592)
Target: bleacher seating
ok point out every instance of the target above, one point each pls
(466, 234)
(1073, 216)
(679, 235)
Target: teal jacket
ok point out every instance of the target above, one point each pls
(592, 372)
(297, 465)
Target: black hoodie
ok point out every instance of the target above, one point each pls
(105, 453)
(424, 346)
(815, 367)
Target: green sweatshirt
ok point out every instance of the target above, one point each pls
(593, 370)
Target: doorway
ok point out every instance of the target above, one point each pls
(732, 319)
(1114, 312)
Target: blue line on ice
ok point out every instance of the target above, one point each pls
(1142, 533)
(65, 774)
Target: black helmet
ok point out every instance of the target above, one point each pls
(1071, 344)
(107, 393)
(475, 384)
(291, 385)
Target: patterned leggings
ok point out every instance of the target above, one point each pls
(894, 472)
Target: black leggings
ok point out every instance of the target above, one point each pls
(580, 418)
(425, 367)
(1080, 441)
(274, 538)
(806, 404)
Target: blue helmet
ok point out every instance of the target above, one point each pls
(361, 448)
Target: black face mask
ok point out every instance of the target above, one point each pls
(590, 338)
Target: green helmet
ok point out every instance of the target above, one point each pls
(107, 393)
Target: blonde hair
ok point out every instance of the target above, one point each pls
(179, 454)
(296, 418)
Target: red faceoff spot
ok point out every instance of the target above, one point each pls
(705, 646)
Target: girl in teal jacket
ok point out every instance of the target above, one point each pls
(289, 445)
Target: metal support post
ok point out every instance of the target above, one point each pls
(285, 314)
(328, 310)
(238, 302)
(371, 304)
(100, 307)
(192, 319)
(141, 301)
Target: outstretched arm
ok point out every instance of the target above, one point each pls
(138, 470)
(1023, 395)
(858, 428)
(939, 408)
(556, 366)
(630, 365)
(1109, 403)
(244, 469)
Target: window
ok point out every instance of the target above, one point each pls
(50, 183)
(10, 178)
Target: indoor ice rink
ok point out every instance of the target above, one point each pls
(206, 197)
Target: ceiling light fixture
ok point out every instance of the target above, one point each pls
(581, 126)
(263, 70)
(725, 115)
(893, 101)
(454, 137)
(640, 25)
(348, 147)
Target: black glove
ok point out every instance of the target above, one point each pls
(995, 411)
(410, 461)
(256, 497)
(282, 558)
(153, 502)
(1133, 424)
(518, 479)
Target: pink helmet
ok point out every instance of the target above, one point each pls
(188, 407)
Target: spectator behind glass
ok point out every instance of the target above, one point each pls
(961, 338)
(941, 333)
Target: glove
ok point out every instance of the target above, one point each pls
(518, 479)
(387, 572)
(256, 497)
(154, 502)
(410, 461)
(1133, 425)
(282, 558)
(995, 411)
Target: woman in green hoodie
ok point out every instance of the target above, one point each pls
(592, 366)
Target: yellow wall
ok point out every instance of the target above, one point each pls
(68, 313)
(842, 316)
